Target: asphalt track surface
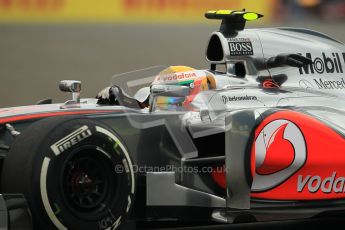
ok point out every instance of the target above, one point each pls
(33, 59)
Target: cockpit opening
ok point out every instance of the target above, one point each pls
(239, 69)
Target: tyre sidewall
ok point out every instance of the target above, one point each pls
(49, 166)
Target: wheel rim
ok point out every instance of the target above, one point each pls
(88, 180)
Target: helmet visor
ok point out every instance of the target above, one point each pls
(165, 103)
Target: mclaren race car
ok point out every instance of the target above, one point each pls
(257, 136)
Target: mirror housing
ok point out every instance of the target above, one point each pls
(71, 86)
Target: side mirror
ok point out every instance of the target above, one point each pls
(71, 86)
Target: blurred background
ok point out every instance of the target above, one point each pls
(45, 41)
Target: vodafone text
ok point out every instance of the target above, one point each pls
(313, 184)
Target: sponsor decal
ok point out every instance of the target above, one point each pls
(313, 184)
(177, 76)
(324, 64)
(280, 151)
(306, 84)
(240, 47)
(330, 84)
(71, 140)
(227, 99)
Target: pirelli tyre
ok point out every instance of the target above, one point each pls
(75, 173)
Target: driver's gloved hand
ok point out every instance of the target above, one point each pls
(107, 97)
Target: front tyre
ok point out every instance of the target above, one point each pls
(75, 173)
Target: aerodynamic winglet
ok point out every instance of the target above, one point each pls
(232, 20)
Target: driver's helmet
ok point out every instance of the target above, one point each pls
(176, 87)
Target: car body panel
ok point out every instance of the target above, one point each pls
(328, 55)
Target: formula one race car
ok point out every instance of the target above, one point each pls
(259, 136)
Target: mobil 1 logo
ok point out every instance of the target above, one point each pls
(325, 63)
(240, 46)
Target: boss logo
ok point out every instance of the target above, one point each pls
(240, 47)
(280, 152)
